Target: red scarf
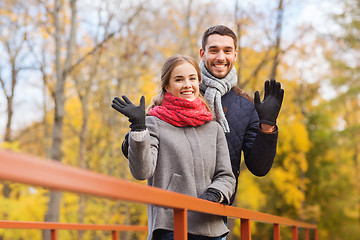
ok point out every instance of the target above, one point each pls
(181, 112)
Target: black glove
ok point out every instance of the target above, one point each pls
(212, 195)
(125, 145)
(136, 114)
(268, 110)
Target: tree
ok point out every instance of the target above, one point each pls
(16, 23)
(52, 214)
(343, 55)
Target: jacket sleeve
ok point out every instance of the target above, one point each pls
(125, 145)
(143, 152)
(224, 179)
(259, 148)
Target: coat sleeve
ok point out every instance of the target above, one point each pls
(259, 148)
(224, 179)
(143, 152)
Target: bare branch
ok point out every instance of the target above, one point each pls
(100, 44)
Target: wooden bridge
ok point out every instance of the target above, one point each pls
(22, 168)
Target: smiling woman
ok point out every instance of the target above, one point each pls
(179, 148)
(184, 82)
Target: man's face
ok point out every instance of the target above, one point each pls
(219, 55)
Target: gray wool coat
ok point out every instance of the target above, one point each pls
(187, 160)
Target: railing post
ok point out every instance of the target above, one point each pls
(294, 230)
(307, 236)
(245, 229)
(115, 235)
(180, 224)
(276, 231)
(316, 237)
(53, 234)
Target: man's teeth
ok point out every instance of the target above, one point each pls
(219, 65)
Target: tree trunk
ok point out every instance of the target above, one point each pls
(6, 191)
(82, 206)
(7, 137)
(45, 122)
(278, 39)
(238, 22)
(53, 212)
(82, 157)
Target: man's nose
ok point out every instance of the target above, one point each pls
(220, 55)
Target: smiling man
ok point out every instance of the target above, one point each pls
(219, 54)
(250, 127)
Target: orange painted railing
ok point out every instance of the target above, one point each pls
(53, 227)
(31, 170)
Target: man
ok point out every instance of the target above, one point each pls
(250, 127)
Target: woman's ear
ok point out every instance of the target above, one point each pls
(166, 88)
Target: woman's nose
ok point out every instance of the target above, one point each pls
(187, 83)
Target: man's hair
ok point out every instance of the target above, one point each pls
(221, 30)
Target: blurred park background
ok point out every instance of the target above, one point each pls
(62, 62)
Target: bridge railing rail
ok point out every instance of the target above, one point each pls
(26, 169)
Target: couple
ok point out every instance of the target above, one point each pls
(191, 139)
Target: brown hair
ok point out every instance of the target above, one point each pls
(221, 30)
(166, 71)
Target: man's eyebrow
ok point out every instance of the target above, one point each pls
(216, 47)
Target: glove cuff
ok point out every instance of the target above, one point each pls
(272, 123)
(138, 125)
(212, 194)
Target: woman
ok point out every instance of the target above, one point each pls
(179, 148)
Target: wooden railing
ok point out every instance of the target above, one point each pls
(51, 174)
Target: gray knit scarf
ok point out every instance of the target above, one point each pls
(214, 88)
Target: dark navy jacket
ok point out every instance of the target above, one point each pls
(259, 148)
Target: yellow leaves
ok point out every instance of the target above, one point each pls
(70, 207)
(44, 33)
(149, 86)
(293, 144)
(289, 185)
(14, 146)
(293, 137)
(249, 194)
(25, 204)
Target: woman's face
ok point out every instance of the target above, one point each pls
(184, 82)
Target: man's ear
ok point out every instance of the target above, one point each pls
(236, 52)
(202, 54)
